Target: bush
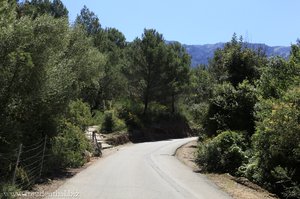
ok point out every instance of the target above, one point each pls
(79, 114)
(68, 146)
(129, 112)
(224, 153)
(98, 117)
(195, 115)
(8, 191)
(277, 144)
(111, 123)
(231, 109)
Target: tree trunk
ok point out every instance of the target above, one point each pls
(173, 103)
(145, 105)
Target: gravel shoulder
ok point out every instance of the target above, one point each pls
(238, 188)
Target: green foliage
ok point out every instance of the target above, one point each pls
(111, 123)
(176, 74)
(97, 117)
(7, 13)
(195, 101)
(146, 66)
(276, 77)
(236, 63)
(231, 109)
(129, 111)
(224, 153)
(276, 143)
(108, 123)
(111, 83)
(35, 8)
(68, 146)
(79, 114)
(156, 71)
(8, 191)
(89, 21)
(45, 64)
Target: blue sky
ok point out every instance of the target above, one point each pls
(274, 22)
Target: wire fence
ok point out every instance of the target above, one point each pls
(24, 166)
(26, 163)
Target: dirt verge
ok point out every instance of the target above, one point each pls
(238, 188)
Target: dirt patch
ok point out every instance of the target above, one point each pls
(51, 184)
(238, 188)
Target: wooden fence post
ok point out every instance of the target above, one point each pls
(17, 164)
(44, 149)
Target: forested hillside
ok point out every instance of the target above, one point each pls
(57, 78)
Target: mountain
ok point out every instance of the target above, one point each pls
(202, 53)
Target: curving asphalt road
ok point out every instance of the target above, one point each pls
(141, 171)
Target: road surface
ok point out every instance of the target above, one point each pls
(141, 171)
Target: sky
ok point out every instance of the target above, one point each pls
(273, 22)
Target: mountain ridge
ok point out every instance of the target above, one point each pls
(201, 54)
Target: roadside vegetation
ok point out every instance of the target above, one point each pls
(57, 78)
(251, 124)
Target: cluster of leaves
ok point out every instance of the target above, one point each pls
(223, 153)
(112, 123)
(231, 108)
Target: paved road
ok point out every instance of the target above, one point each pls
(141, 171)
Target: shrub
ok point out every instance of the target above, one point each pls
(277, 144)
(8, 191)
(79, 114)
(129, 111)
(98, 117)
(68, 146)
(111, 123)
(231, 109)
(224, 153)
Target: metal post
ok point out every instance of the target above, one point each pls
(44, 149)
(17, 164)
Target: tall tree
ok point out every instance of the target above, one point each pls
(176, 74)
(89, 21)
(236, 63)
(36, 8)
(112, 43)
(148, 59)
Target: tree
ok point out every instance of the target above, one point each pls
(236, 63)
(177, 71)
(87, 63)
(89, 21)
(231, 108)
(276, 77)
(110, 42)
(148, 57)
(58, 9)
(35, 8)
(7, 12)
